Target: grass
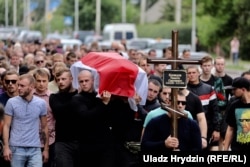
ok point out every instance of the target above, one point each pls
(242, 65)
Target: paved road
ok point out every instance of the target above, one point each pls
(233, 73)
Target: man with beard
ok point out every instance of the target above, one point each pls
(9, 79)
(157, 134)
(165, 100)
(96, 145)
(23, 115)
(66, 144)
(10, 83)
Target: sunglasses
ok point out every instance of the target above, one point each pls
(10, 81)
(38, 62)
(244, 120)
(181, 102)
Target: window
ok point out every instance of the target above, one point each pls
(129, 35)
(118, 35)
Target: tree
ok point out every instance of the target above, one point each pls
(219, 21)
(10, 7)
(111, 12)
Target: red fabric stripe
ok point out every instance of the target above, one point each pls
(206, 96)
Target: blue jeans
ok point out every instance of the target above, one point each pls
(29, 156)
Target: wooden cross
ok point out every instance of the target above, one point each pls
(175, 61)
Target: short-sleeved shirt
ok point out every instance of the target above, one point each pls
(239, 118)
(157, 112)
(25, 122)
(50, 118)
(193, 104)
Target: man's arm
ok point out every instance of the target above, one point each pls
(45, 137)
(228, 137)
(196, 137)
(6, 135)
(217, 118)
(201, 118)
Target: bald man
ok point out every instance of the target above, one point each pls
(96, 146)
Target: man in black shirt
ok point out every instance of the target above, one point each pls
(219, 64)
(66, 145)
(10, 79)
(95, 137)
(194, 106)
(238, 118)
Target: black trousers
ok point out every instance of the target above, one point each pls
(66, 154)
(100, 158)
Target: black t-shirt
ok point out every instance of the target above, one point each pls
(193, 105)
(239, 118)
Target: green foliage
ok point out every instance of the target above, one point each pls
(169, 12)
(19, 15)
(132, 13)
(110, 12)
(228, 18)
(164, 30)
(57, 23)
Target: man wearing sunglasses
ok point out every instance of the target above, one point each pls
(165, 96)
(24, 114)
(238, 117)
(39, 61)
(157, 135)
(10, 84)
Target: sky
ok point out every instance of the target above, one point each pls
(53, 4)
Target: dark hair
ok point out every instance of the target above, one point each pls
(155, 82)
(71, 55)
(164, 50)
(151, 50)
(185, 50)
(3, 75)
(245, 73)
(206, 59)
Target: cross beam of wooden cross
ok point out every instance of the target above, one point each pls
(174, 62)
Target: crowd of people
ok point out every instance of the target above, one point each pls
(45, 121)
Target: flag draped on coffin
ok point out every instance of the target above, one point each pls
(117, 75)
(113, 73)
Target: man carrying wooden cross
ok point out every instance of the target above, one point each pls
(160, 128)
(175, 79)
